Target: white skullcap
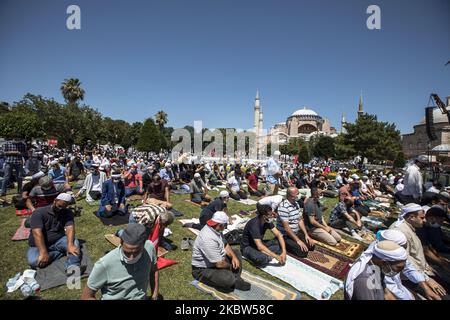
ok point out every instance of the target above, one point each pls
(116, 176)
(54, 162)
(224, 194)
(38, 175)
(410, 207)
(349, 180)
(64, 197)
(397, 253)
(277, 153)
(393, 235)
(197, 175)
(167, 165)
(355, 176)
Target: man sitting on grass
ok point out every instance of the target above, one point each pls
(133, 182)
(93, 184)
(158, 193)
(53, 235)
(214, 262)
(126, 272)
(343, 215)
(198, 189)
(253, 246)
(113, 197)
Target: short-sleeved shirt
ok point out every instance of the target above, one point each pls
(344, 193)
(209, 248)
(253, 181)
(208, 211)
(43, 197)
(234, 184)
(312, 209)
(52, 224)
(133, 180)
(291, 213)
(338, 212)
(273, 201)
(254, 230)
(58, 176)
(118, 280)
(158, 192)
(369, 285)
(197, 186)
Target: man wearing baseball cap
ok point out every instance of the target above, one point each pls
(214, 262)
(125, 272)
(53, 235)
(199, 191)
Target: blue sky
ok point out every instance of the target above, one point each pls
(205, 59)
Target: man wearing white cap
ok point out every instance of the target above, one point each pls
(364, 280)
(413, 181)
(412, 217)
(53, 235)
(214, 262)
(166, 173)
(198, 189)
(420, 281)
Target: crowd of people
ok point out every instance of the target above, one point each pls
(409, 260)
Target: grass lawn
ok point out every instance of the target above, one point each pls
(174, 280)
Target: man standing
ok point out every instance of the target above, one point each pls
(273, 174)
(14, 151)
(126, 272)
(53, 235)
(214, 262)
(290, 223)
(413, 181)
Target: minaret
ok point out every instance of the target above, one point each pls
(256, 111)
(360, 106)
(343, 122)
(260, 138)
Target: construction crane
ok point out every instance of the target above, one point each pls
(440, 105)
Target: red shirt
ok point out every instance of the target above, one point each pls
(253, 181)
(133, 180)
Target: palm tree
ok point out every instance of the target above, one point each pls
(161, 118)
(71, 90)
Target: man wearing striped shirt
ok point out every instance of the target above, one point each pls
(290, 223)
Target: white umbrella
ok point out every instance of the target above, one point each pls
(442, 148)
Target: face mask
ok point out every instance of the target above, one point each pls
(388, 272)
(271, 220)
(116, 180)
(128, 260)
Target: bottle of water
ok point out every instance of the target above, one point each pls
(35, 287)
(26, 290)
(327, 293)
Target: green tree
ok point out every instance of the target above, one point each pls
(131, 138)
(324, 147)
(370, 138)
(161, 119)
(149, 138)
(71, 90)
(24, 125)
(399, 161)
(304, 156)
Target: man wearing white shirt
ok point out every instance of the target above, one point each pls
(412, 191)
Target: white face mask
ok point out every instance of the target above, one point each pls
(128, 260)
(272, 220)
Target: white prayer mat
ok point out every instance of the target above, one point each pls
(305, 278)
(248, 202)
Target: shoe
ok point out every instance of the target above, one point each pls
(168, 246)
(242, 285)
(188, 225)
(191, 242)
(185, 244)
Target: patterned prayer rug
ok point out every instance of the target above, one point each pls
(346, 248)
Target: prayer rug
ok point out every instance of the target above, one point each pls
(115, 220)
(305, 278)
(329, 262)
(346, 248)
(24, 212)
(248, 202)
(261, 289)
(22, 232)
(54, 276)
(136, 197)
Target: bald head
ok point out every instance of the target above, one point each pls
(292, 193)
